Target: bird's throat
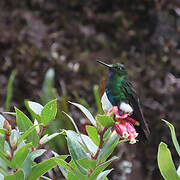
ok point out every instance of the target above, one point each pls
(111, 73)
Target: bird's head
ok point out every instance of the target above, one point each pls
(115, 68)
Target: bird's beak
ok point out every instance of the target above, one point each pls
(107, 65)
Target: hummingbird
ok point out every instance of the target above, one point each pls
(120, 92)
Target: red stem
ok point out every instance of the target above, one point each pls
(100, 144)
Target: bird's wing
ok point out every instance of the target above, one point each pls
(133, 99)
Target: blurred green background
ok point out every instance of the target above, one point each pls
(53, 46)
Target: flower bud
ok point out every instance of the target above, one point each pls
(121, 129)
(43, 140)
(8, 155)
(7, 126)
(37, 127)
(14, 141)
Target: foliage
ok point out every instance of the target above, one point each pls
(9, 90)
(21, 146)
(165, 161)
(49, 93)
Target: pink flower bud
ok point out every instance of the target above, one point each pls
(131, 131)
(121, 129)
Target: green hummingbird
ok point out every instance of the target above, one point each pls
(120, 92)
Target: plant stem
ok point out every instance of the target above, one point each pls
(101, 134)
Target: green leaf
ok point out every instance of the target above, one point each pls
(1, 176)
(75, 149)
(87, 163)
(166, 164)
(101, 167)
(46, 178)
(37, 153)
(108, 147)
(49, 112)
(19, 175)
(39, 169)
(63, 170)
(86, 112)
(90, 145)
(24, 123)
(20, 156)
(76, 172)
(9, 90)
(3, 131)
(10, 113)
(93, 134)
(1, 121)
(4, 158)
(72, 120)
(27, 165)
(105, 120)
(34, 109)
(77, 130)
(73, 170)
(173, 135)
(103, 174)
(71, 176)
(97, 98)
(49, 138)
(22, 137)
(48, 92)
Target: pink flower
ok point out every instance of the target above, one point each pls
(121, 130)
(117, 113)
(124, 124)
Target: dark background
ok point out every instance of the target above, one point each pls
(70, 35)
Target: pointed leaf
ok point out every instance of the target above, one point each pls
(9, 90)
(46, 178)
(87, 163)
(178, 171)
(93, 134)
(90, 145)
(173, 135)
(77, 130)
(166, 164)
(86, 112)
(71, 169)
(97, 98)
(39, 169)
(1, 121)
(105, 120)
(20, 156)
(75, 149)
(78, 173)
(101, 167)
(22, 137)
(27, 165)
(10, 113)
(34, 109)
(48, 92)
(73, 122)
(49, 112)
(63, 170)
(4, 158)
(3, 131)
(103, 174)
(49, 138)
(19, 175)
(108, 147)
(24, 123)
(37, 153)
